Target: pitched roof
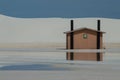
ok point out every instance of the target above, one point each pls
(79, 29)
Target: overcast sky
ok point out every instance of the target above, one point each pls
(60, 8)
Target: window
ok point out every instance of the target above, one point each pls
(85, 36)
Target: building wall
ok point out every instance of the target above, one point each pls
(81, 43)
(68, 46)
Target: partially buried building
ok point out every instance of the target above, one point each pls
(84, 38)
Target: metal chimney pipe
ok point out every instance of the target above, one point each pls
(98, 25)
(98, 39)
(72, 40)
(72, 25)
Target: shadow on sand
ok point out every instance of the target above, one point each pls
(46, 67)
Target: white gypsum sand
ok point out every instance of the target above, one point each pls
(42, 30)
(30, 33)
(108, 69)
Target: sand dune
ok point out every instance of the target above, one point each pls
(48, 33)
(42, 30)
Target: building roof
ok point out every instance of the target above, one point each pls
(80, 29)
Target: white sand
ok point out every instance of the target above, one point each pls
(25, 31)
(109, 69)
(83, 74)
(21, 30)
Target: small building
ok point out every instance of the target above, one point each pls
(84, 38)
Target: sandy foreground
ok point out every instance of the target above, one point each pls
(36, 66)
(16, 65)
(83, 74)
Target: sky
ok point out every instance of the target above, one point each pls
(60, 8)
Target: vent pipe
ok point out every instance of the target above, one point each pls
(98, 25)
(72, 40)
(72, 25)
(98, 39)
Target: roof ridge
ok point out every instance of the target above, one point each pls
(82, 29)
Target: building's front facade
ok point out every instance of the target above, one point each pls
(83, 38)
